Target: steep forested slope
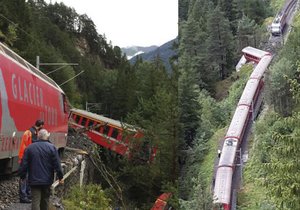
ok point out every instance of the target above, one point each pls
(211, 35)
(272, 176)
(143, 94)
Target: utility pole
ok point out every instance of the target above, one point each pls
(62, 65)
(38, 64)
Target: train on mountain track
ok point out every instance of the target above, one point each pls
(281, 19)
(27, 94)
(246, 110)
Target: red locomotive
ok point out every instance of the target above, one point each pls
(27, 94)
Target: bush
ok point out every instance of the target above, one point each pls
(89, 197)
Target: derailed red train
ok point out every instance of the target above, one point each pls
(247, 108)
(27, 94)
(121, 138)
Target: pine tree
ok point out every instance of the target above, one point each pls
(278, 88)
(220, 42)
(246, 32)
(231, 12)
(282, 170)
(255, 9)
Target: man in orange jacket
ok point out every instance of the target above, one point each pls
(29, 136)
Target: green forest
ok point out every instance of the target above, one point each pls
(185, 111)
(211, 36)
(143, 94)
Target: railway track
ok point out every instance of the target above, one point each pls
(273, 45)
(9, 186)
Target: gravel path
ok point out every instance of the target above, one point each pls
(9, 196)
(9, 191)
(54, 205)
(9, 185)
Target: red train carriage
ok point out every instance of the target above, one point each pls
(253, 54)
(111, 134)
(247, 107)
(26, 94)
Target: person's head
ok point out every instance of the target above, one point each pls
(39, 124)
(43, 134)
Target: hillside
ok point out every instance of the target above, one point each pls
(211, 35)
(141, 95)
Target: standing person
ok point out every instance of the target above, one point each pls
(41, 160)
(219, 153)
(28, 137)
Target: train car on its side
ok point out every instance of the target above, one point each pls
(118, 137)
(246, 110)
(161, 202)
(280, 21)
(27, 94)
(252, 54)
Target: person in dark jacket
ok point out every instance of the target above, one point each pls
(28, 137)
(41, 160)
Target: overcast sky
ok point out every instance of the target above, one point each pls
(131, 22)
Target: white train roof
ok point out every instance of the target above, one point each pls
(101, 118)
(249, 92)
(228, 152)
(261, 67)
(222, 190)
(237, 122)
(254, 52)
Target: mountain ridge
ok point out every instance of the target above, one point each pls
(164, 51)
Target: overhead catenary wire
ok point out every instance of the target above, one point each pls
(16, 25)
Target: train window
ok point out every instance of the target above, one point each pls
(91, 122)
(106, 130)
(115, 133)
(66, 105)
(83, 121)
(77, 119)
(256, 59)
(97, 127)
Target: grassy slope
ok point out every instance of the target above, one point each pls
(208, 162)
(252, 196)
